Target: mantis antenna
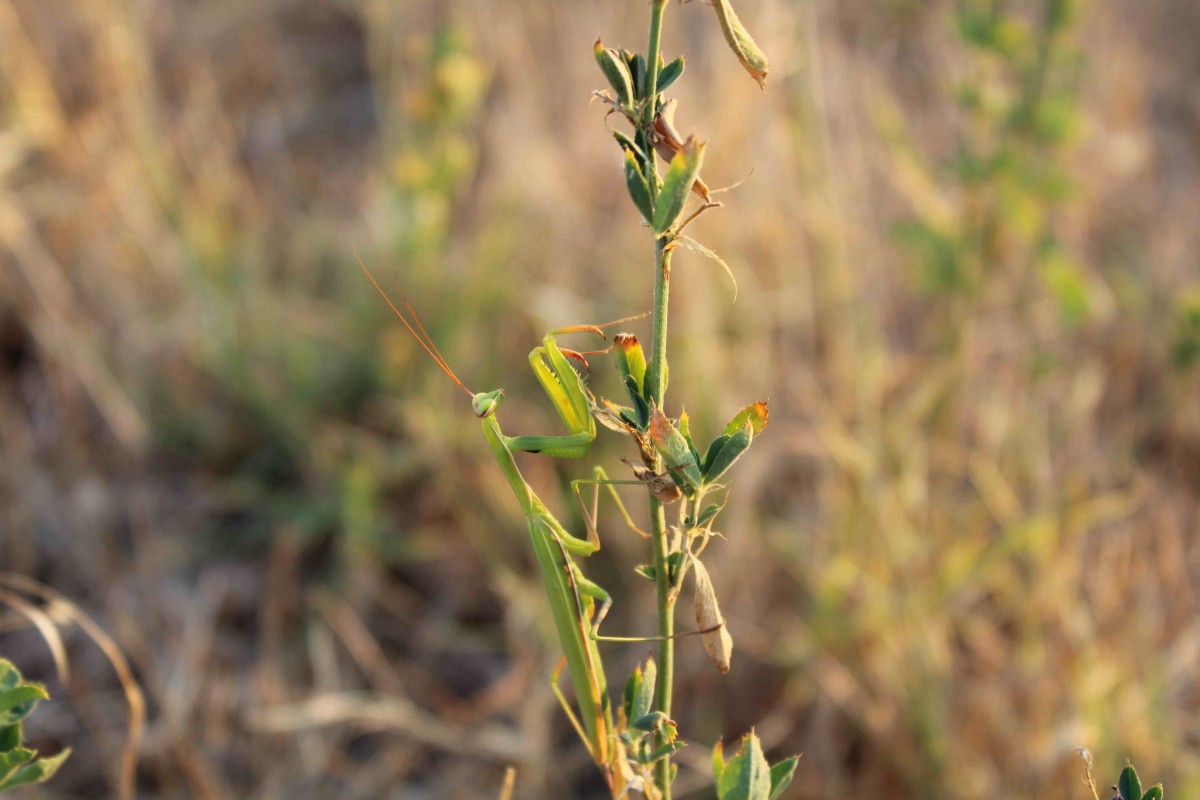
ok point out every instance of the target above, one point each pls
(423, 338)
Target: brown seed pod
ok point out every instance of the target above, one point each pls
(715, 633)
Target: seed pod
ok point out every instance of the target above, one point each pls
(752, 58)
(616, 71)
(717, 641)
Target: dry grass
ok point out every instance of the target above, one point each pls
(952, 564)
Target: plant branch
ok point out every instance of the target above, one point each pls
(658, 361)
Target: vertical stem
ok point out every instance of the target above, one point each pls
(656, 16)
(658, 529)
(658, 385)
(662, 256)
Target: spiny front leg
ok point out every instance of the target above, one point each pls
(564, 387)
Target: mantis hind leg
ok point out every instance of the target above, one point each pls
(555, 677)
(593, 592)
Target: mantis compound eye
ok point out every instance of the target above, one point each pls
(484, 403)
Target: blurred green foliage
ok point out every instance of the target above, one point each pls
(1005, 183)
(19, 765)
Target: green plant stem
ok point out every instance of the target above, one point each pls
(662, 255)
(666, 628)
(658, 385)
(656, 16)
(662, 578)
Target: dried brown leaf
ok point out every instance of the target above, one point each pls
(715, 633)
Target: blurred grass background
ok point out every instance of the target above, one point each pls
(968, 266)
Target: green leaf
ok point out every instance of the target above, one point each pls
(746, 776)
(669, 74)
(637, 68)
(616, 71)
(677, 184)
(16, 703)
(631, 365)
(674, 564)
(781, 775)
(724, 451)
(741, 43)
(1154, 793)
(707, 515)
(1129, 785)
(674, 561)
(631, 361)
(10, 737)
(633, 685)
(677, 456)
(36, 772)
(630, 418)
(639, 190)
(648, 722)
(664, 751)
(9, 676)
(643, 699)
(627, 143)
(686, 431)
(755, 413)
(12, 759)
(714, 447)
(718, 762)
(640, 413)
(648, 383)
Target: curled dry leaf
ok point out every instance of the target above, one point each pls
(663, 486)
(668, 142)
(717, 641)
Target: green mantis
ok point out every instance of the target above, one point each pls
(573, 598)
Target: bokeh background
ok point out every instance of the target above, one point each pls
(967, 257)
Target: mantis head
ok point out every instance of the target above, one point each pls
(484, 403)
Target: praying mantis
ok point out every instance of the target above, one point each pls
(573, 598)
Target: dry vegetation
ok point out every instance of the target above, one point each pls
(966, 545)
